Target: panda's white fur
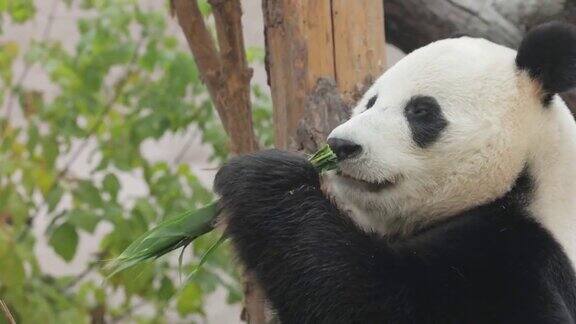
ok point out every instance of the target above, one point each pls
(497, 126)
(552, 158)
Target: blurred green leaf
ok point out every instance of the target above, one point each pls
(21, 10)
(189, 300)
(255, 54)
(82, 219)
(11, 266)
(8, 53)
(54, 197)
(64, 241)
(89, 194)
(205, 8)
(166, 290)
(111, 185)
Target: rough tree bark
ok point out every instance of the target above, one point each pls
(414, 23)
(225, 70)
(305, 40)
(324, 110)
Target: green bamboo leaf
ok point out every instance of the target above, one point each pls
(324, 159)
(169, 235)
(206, 256)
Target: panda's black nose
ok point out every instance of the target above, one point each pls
(344, 149)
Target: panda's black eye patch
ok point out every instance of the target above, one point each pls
(425, 119)
(371, 102)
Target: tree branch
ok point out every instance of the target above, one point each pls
(225, 73)
(201, 44)
(237, 74)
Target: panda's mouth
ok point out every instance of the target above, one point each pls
(371, 186)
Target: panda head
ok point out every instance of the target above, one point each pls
(450, 127)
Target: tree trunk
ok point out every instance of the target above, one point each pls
(414, 23)
(305, 40)
(224, 70)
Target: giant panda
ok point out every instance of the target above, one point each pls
(455, 201)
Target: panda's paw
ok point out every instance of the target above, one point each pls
(263, 175)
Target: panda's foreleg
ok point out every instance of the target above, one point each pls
(315, 264)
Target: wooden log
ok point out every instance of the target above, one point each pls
(325, 108)
(414, 23)
(411, 24)
(359, 46)
(309, 39)
(299, 49)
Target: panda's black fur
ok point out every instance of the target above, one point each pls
(491, 264)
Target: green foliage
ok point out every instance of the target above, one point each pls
(125, 83)
(18, 11)
(64, 240)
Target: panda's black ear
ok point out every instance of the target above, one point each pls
(548, 53)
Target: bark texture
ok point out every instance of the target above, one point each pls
(324, 110)
(299, 49)
(224, 70)
(305, 40)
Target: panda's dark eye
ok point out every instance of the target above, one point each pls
(422, 108)
(417, 111)
(371, 102)
(425, 118)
